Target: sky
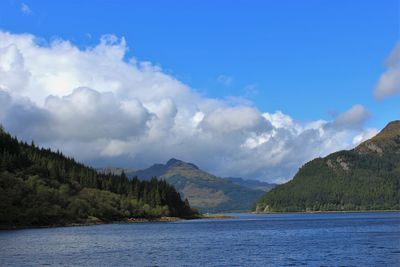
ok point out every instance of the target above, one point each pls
(241, 88)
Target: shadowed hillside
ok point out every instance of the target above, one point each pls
(253, 184)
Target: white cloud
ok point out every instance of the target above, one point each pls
(25, 9)
(225, 79)
(279, 120)
(232, 119)
(96, 115)
(389, 82)
(105, 110)
(354, 117)
(12, 71)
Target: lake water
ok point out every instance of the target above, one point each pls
(329, 239)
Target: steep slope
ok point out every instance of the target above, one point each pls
(204, 191)
(40, 187)
(364, 178)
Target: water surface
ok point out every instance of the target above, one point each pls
(328, 239)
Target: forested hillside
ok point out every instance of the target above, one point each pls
(364, 178)
(40, 187)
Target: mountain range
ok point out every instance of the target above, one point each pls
(252, 184)
(364, 178)
(206, 191)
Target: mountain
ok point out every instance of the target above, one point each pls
(364, 178)
(252, 184)
(204, 191)
(39, 187)
(157, 170)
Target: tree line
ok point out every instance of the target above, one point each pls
(42, 187)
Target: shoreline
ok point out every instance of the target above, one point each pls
(322, 211)
(166, 219)
(99, 222)
(163, 219)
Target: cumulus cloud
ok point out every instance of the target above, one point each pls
(22, 117)
(96, 115)
(389, 82)
(233, 119)
(354, 117)
(12, 71)
(103, 109)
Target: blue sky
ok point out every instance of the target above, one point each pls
(310, 59)
(226, 69)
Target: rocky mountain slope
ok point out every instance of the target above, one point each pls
(204, 191)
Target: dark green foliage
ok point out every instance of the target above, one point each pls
(40, 187)
(365, 178)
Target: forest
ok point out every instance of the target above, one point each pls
(39, 187)
(364, 178)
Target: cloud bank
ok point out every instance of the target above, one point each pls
(104, 109)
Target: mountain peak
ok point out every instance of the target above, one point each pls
(392, 128)
(387, 140)
(173, 162)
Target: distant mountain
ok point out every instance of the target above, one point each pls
(158, 169)
(364, 178)
(252, 184)
(204, 191)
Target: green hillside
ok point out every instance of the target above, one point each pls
(364, 178)
(39, 187)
